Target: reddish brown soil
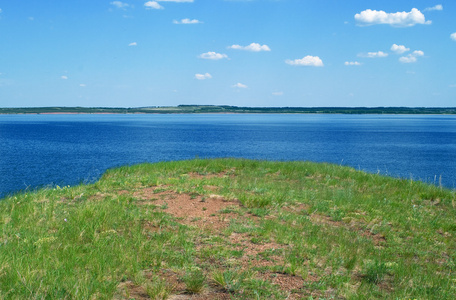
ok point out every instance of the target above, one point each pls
(209, 213)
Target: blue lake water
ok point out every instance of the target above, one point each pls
(46, 150)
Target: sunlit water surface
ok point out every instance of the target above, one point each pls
(46, 150)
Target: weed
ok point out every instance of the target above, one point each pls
(374, 272)
(158, 289)
(194, 281)
(229, 280)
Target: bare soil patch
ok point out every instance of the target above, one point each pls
(200, 211)
(207, 212)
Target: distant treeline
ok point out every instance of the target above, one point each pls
(195, 109)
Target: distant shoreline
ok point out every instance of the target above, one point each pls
(214, 109)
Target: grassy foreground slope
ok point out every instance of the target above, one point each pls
(231, 229)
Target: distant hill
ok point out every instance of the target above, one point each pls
(198, 109)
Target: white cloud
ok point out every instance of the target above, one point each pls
(452, 86)
(277, 93)
(254, 47)
(399, 19)
(453, 36)
(352, 63)
(203, 76)
(373, 54)
(119, 4)
(313, 61)
(399, 49)
(153, 5)
(240, 85)
(133, 44)
(437, 7)
(82, 85)
(417, 53)
(407, 59)
(179, 1)
(187, 21)
(213, 56)
(64, 77)
(411, 58)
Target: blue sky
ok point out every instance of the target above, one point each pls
(227, 52)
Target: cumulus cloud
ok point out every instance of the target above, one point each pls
(119, 4)
(399, 19)
(203, 76)
(254, 47)
(240, 85)
(453, 36)
(437, 7)
(153, 5)
(417, 53)
(399, 49)
(412, 57)
(213, 56)
(187, 21)
(313, 61)
(352, 63)
(407, 59)
(64, 77)
(373, 54)
(133, 44)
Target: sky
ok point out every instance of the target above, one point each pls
(260, 53)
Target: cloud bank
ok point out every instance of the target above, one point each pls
(187, 21)
(240, 85)
(213, 56)
(203, 76)
(411, 58)
(254, 47)
(373, 54)
(153, 5)
(308, 61)
(352, 63)
(399, 19)
(437, 7)
(119, 4)
(399, 49)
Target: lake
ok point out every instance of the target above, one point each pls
(47, 150)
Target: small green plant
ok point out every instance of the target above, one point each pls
(374, 272)
(350, 263)
(158, 289)
(195, 281)
(228, 280)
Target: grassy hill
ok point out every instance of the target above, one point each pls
(231, 229)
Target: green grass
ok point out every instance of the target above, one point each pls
(326, 231)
